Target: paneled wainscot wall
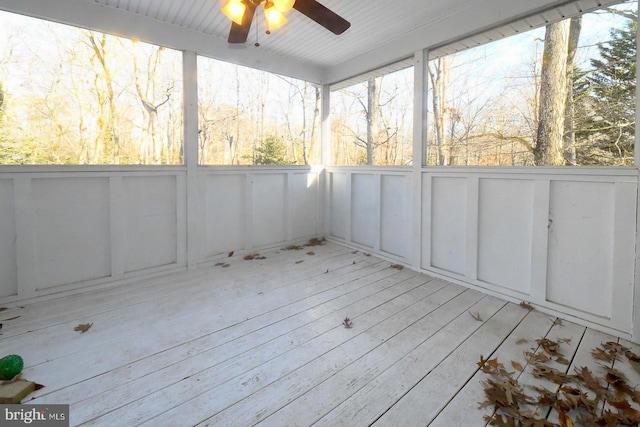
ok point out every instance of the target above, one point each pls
(70, 230)
(562, 239)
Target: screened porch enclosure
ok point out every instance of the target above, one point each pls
(429, 254)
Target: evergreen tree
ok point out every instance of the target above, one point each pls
(271, 151)
(607, 101)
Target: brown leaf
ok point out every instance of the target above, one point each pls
(311, 253)
(517, 366)
(254, 256)
(347, 323)
(522, 341)
(562, 360)
(526, 305)
(293, 248)
(366, 254)
(230, 254)
(396, 266)
(316, 241)
(299, 261)
(615, 347)
(83, 327)
(601, 354)
(476, 316)
(634, 359)
(550, 347)
(558, 322)
(354, 263)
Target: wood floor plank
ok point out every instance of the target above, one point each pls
(150, 354)
(464, 408)
(262, 341)
(317, 400)
(267, 342)
(431, 376)
(238, 376)
(322, 357)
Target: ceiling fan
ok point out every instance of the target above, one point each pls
(241, 12)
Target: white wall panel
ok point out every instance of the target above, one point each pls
(505, 233)
(224, 213)
(393, 214)
(72, 230)
(339, 199)
(365, 207)
(580, 257)
(268, 210)
(304, 205)
(8, 262)
(150, 221)
(448, 223)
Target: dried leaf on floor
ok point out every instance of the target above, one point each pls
(397, 266)
(230, 254)
(83, 327)
(293, 248)
(517, 366)
(299, 261)
(476, 316)
(311, 253)
(558, 322)
(366, 254)
(522, 341)
(634, 359)
(316, 241)
(251, 257)
(550, 347)
(526, 305)
(353, 263)
(347, 323)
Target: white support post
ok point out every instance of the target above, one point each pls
(419, 155)
(325, 155)
(190, 149)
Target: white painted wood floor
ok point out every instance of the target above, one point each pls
(262, 342)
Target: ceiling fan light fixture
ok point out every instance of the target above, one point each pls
(275, 18)
(234, 10)
(283, 6)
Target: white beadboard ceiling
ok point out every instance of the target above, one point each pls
(381, 32)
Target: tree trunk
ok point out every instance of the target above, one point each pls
(438, 77)
(553, 95)
(373, 91)
(569, 116)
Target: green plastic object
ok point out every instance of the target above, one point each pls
(10, 366)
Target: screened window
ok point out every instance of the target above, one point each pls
(563, 94)
(72, 96)
(248, 116)
(372, 121)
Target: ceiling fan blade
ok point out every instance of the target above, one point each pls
(239, 33)
(323, 16)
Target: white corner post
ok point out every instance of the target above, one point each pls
(190, 149)
(420, 90)
(325, 155)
